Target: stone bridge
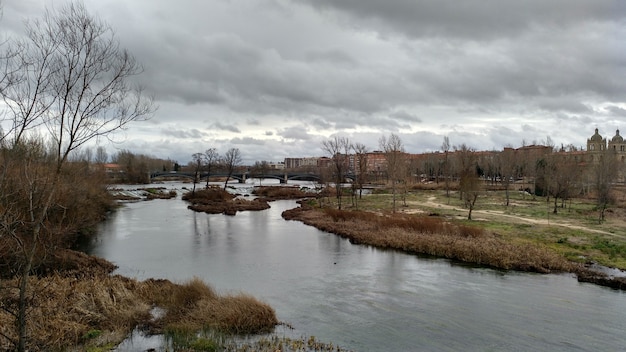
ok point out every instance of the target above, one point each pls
(241, 177)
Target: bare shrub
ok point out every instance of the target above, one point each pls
(208, 195)
(275, 192)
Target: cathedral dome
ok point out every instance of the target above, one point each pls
(596, 137)
(617, 138)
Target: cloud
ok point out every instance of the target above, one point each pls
(281, 76)
(470, 19)
(192, 133)
(224, 127)
(294, 133)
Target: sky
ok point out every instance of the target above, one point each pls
(276, 78)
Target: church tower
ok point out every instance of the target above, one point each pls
(617, 143)
(596, 143)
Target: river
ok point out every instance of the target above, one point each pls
(358, 297)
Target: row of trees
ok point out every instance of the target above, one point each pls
(211, 160)
(398, 169)
(65, 84)
(538, 170)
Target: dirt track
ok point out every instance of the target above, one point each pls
(495, 214)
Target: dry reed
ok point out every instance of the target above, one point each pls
(217, 201)
(432, 236)
(280, 192)
(66, 309)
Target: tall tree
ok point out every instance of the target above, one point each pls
(507, 165)
(470, 185)
(561, 176)
(338, 149)
(396, 162)
(232, 159)
(604, 174)
(360, 151)
(259, 169)
(101, 156)
(211, 159)
(73, 79)
(198, 159)
(445, 147)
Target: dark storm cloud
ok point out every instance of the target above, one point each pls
(469, 19)
(292, 73)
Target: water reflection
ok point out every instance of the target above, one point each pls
(357, 296)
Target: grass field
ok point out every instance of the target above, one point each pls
(574, 232)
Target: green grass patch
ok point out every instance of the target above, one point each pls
(574, 232)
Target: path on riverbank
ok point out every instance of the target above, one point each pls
(432, 203)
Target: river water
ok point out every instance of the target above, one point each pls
(359, 297)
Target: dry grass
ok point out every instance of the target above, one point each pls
(216, 200)
(196, 306)
(432, 236)
(280, 192)
(67, 309)
(208, 195)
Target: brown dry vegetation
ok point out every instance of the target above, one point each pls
(215, 200)
(158, 193)
(114, 305)
(280, 192)
(517, 237)
(195, 306)
(432, 236)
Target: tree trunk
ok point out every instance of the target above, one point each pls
(393, 191)
(507, 195)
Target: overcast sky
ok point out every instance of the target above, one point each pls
(275, 78)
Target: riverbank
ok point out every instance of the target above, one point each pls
(435, 236)
(76, 304)
(87, 308)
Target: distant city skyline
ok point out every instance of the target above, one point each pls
(275, 78)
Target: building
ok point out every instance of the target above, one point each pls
(597, 144)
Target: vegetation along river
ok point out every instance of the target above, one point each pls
(358, 297)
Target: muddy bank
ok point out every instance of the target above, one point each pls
(595, 276)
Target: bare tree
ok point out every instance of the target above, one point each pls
(445, 147)
(360, 151)
(211, 159)
(259, 169)
(396, 162)
(561, 175)
(604, 174)
(101, 156)
(197, 165)
(338, 149)
(470, 185)
(508, 170)
(73, 78)
(231, 160)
